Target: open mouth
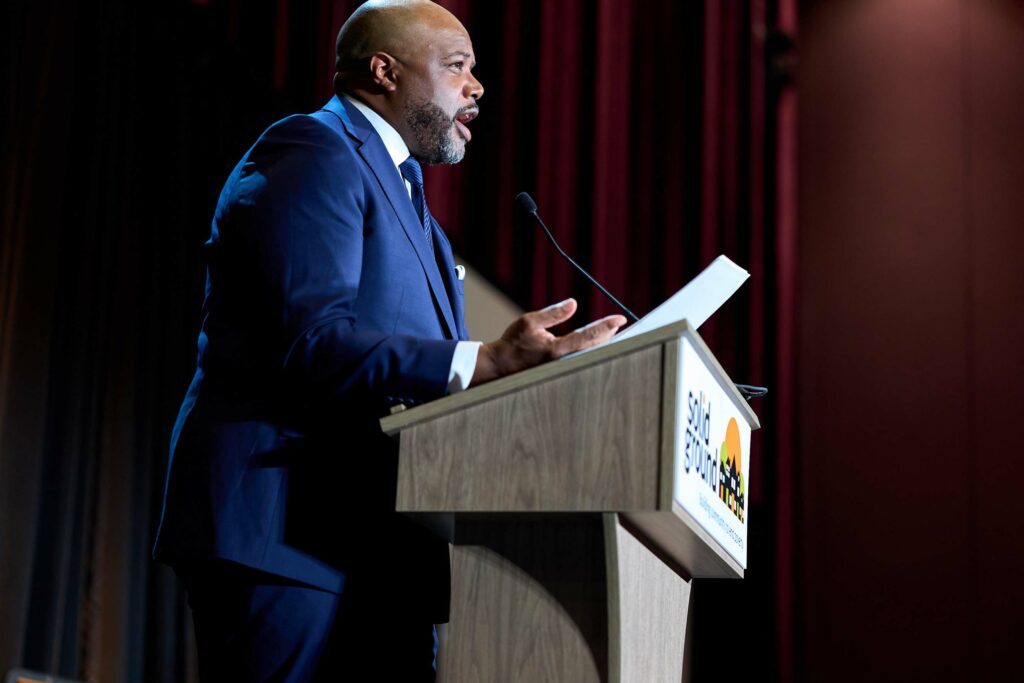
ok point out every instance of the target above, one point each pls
(464, 117)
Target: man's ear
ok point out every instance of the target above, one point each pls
(382, 71)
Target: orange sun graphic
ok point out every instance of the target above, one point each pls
(732, 444)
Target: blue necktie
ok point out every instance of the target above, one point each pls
(412, 172)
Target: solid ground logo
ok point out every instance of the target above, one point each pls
(731, 485)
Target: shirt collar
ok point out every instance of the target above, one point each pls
(393, 142)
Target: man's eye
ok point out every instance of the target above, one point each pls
(456, 65)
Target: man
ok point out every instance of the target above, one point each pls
(331, 294)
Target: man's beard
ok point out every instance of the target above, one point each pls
(433, 131)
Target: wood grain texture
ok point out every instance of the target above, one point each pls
(602, 439)
(403, 418)
(578, 441)
(528, 601)
(525, 476)
(394, 424)
(561, 598)
(678, 538)
(647, 611)
(669, 441)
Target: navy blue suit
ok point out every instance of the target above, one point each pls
(324, 305)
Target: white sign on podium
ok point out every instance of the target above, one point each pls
(712, 455)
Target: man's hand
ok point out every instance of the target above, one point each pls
(527, 341)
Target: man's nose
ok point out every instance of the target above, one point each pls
(473, 88)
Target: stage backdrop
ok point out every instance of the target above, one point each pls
(911, 370)
(653, 134)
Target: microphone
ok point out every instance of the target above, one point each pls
(529, 207)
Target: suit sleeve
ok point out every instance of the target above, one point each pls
(293, 231)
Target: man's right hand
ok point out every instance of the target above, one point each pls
(527, 341)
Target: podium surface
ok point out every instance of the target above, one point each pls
(562, 489)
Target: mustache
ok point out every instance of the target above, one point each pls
(471, 109)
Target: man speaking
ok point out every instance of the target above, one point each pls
(331, 295)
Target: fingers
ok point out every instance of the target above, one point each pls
(527, 342)
(593, 334)
(553, 314)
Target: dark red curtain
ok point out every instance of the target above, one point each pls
(654, 135)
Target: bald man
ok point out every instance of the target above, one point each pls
(331, 295)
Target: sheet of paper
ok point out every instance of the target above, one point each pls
(695, 302)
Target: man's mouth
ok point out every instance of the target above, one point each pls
(464, 117)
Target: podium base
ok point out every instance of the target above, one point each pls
(561, 598)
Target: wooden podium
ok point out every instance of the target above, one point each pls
(571, 556)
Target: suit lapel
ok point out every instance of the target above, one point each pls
(444, 250)
(376, 156)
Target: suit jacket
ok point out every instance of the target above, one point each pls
(323, 306)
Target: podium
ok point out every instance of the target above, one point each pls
(581, 497)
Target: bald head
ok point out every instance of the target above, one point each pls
(397, 27)
(411, 61)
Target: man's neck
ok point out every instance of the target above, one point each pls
(397, 149)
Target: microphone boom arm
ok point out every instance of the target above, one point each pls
(527, 203)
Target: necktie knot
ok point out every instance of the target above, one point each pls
(412, 172)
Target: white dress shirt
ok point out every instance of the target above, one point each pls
(464, 360)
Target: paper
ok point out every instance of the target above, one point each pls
(695, 302)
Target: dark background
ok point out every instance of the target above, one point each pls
(881, 224)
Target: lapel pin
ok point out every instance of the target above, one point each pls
(460, 272)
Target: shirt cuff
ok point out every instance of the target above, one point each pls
(463, 366)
